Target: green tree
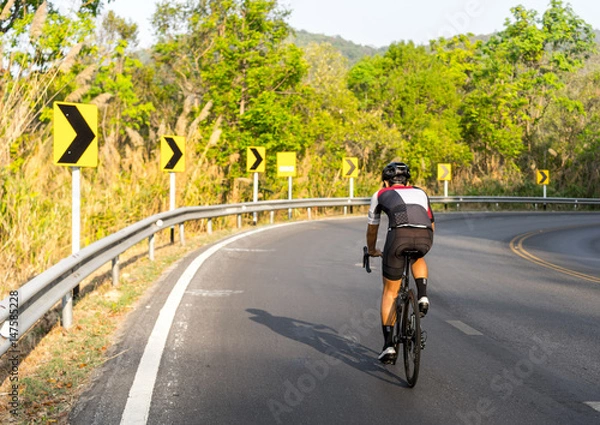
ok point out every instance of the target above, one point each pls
(522, 71)
(415, 91)
(233, 56)
(13, 10)
(336, 127)
(118, 87)
(571, 131)
(254, 68)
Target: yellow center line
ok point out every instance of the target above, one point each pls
(516, 246)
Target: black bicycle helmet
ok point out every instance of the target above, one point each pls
(396, 172)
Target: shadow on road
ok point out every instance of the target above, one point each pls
(328, 341)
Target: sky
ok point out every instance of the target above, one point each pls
(379, 23)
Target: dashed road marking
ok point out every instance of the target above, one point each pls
(594, 405)
(248, 250)
(463, 327)
(214, 293)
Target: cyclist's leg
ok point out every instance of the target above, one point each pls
(422, 239)
(419, 268)
(421, 274)
(388, 298)
(392, 273)
(388, 319)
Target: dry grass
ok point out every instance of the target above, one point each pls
(39, 19)
(6, 11)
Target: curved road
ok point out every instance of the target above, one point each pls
(282, 326)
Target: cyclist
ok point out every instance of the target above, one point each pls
(411, 226)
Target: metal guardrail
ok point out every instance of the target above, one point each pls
(23, 308)
(513, 200)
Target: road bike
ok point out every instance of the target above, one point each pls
(407, 329)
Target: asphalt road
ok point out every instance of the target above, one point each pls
(282, 326)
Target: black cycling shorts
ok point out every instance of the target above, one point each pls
(400, 239)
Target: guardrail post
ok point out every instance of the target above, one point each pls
(209, 226)
(309, 214)
(272, 217)
(239, 221)
(181, 235)
(67, 310)
(115, 271)
(290, 196)
(151, 247)
(345, 210)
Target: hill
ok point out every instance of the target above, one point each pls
(352, 51)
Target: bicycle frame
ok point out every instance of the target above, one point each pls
(404, 284)
(403, 294)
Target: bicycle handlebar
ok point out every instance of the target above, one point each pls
(366, 262)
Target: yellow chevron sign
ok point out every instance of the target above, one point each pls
(255, 159)
(172, 154)
(75, 134)
(444, 172)
(543, 177)
(350, 167)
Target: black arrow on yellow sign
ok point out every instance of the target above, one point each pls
(84, 135)
(445, 172)
(543, 176)
(352, 167)
(177, 154)
(258, 161)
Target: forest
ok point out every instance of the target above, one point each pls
(227, 75)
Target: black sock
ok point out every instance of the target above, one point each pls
(387, 334)
(421, 287)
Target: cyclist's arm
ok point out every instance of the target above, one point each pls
(372, 240)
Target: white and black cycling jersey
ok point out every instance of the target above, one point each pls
(405, 206)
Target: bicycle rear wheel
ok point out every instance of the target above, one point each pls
(411, 333)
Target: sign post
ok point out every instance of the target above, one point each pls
(543, 178)
(75, 145)
(350, 171)
(76, 210)
(255, 163)
(445, 175)
(172, 159)
(286, 167)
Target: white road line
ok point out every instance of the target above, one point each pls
(594, 405)
(214, 293)
(247, 250)
(140, 395)
(463, 327)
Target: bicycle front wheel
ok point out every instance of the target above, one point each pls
(411, 333)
